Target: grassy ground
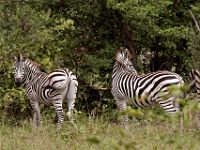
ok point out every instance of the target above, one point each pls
(98, 134)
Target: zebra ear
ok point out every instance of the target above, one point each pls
(14, 58)
(22, 57)
(129, 55)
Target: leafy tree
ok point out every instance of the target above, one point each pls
(83, 36)
(162, 27)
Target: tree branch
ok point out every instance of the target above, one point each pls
(196, 23)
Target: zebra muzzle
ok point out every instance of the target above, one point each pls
(18, 82)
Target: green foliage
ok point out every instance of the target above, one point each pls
(54, 38)
(194, 48)
(193, 45)
(162, 26)
(83, 36)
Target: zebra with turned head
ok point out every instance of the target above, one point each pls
(141, 90)
(45, 88)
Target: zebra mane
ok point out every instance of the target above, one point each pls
(29, 61)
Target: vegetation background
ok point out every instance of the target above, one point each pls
(83, 35)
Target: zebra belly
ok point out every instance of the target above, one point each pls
(141, 101)
(51, 95)
(46, 96)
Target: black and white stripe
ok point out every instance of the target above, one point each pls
(142, 90)
(46, 88)
(196, 76)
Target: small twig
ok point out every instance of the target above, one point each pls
(193, 17)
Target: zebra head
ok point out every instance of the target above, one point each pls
(19, 69)
(123, 57)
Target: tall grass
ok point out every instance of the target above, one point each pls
(87, 133)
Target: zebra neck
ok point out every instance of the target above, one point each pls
(122, 68)
(31, 74)
(116, 69)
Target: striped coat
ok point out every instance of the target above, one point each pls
(46, 88)
(142, 90)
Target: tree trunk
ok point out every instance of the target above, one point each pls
(124, 28)
(129, 42)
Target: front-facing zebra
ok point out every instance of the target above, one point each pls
(141, 90)
(46, 88)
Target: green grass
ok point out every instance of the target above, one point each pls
(98, 134)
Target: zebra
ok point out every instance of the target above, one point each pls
(45, 88)
(141, 90)
(196, 83)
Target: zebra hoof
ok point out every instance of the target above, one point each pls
(69, 116)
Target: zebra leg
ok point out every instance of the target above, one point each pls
(198, 103)
(36, 116)
(122, 105)
(60, 114)
(169, 105)
(198, 113)
(70, 104)
(198, 120)
(71, 96)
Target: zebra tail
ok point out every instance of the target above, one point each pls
(72, 85)
(71, 96)
(72, 89)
